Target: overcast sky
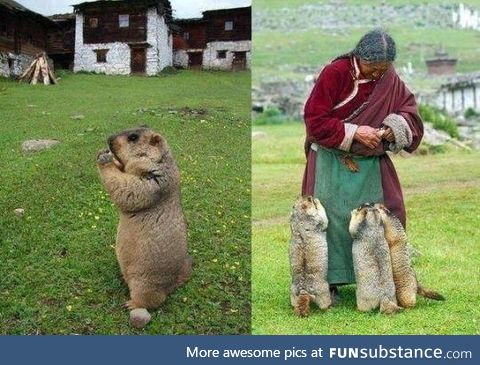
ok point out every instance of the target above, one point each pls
(181, 8)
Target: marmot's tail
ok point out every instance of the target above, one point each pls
(303, 304)
(427, 293)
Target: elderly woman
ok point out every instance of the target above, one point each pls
(358, 110)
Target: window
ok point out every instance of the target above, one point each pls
(101, 55)
(93, 22)
(123, 21)
(186, 35)
(221, 54)
(229, 25)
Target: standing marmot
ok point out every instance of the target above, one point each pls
(308, 255)
(406, 284)
(143, 181)
(371, 261)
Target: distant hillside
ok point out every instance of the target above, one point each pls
(296, 37)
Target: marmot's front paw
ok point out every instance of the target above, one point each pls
(104, 157)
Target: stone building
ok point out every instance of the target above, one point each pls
(221, 40)
(61, 41)
(23, 35)
(441, 64)
(190, 42)
(123, 37)
(459, 94)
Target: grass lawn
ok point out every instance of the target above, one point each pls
(441, 192)
(279, 4)
(58, 269)
(279, 53)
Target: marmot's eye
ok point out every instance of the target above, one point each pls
(132, 137)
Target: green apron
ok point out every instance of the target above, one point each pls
(340, 191)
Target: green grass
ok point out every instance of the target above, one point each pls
(441, 194)
(58, 269)
(279, 53)
(278, 4)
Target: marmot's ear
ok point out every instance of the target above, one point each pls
(155, 139)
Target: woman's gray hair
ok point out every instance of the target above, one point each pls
(376, 46)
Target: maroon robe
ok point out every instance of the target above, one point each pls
(370, 105)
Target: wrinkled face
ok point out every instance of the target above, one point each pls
(140, 146)
(310, 208)
(374, 70)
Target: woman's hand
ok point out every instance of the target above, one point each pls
(388, 135)
(367, 136)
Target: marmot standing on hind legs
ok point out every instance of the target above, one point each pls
(406, 285)
(308, 255)
(142, 178)
(371, 261)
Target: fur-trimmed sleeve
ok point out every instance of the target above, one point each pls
(401, 131)
(409, 111)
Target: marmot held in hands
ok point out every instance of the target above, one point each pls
(143, 180)
(371, 261)
(406, 284)
(308, 256)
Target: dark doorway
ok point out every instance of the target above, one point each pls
(195, 59)
(138, 60)
(239, 61)
(62, 61)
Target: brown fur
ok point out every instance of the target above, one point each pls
(371, 262)
(404, 276)
(142, 178)
(302, 308)
(308, 256)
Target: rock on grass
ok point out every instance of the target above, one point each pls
(35, 145)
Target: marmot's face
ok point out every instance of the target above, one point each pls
(310, 209)
(384, 212)
(367, 215)
(138, 150)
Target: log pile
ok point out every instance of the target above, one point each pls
(39, 71)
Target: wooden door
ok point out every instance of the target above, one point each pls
(138, 60)
(195, 59)
(239, 61)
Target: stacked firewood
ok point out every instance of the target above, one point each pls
(39, 71)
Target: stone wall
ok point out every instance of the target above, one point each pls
(180, 58)
(20, 62)
(211, 61)
(118, 55)
(458, 100)
(158, 55)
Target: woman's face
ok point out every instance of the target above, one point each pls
(374, 70)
